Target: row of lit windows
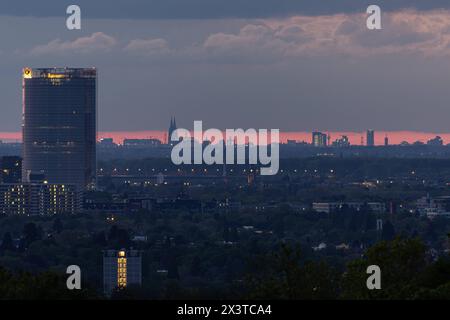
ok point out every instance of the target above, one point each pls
(121, 271)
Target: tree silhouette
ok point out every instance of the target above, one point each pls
(30, 234)
(57, 225)
(400, 261)
(388, 232)
(7, 243)
(288, 277)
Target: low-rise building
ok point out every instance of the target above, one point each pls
(329, 207)
(433, 207)
(39, 199)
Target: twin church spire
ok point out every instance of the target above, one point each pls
(172, 128)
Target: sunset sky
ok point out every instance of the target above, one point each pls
(297, 66)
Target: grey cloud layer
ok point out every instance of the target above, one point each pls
(201, 9)
(294, 73)
(94, 43)
(407, 32)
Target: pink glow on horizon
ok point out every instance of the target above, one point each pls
(119, 136)
(11, 136)
(395, 137)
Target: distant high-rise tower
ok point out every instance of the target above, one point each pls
(172, 128)
(59, 125)
(121, 269)
(370, 139)
(319, 139)
(386, 141)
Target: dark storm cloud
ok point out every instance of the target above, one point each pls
(207, 9)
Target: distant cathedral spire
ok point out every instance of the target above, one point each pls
(172, 128)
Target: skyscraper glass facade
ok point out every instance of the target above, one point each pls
(59, 125)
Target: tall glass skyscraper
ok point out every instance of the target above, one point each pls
(370, 138)
(59, 125)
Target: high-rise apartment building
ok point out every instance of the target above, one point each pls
(319, 139)
(121, 268)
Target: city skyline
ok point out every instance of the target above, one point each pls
(395, 137)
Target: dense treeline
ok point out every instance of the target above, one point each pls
(275, 253)
(407, 273)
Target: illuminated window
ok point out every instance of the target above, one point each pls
(121, 270)
(55, 76)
